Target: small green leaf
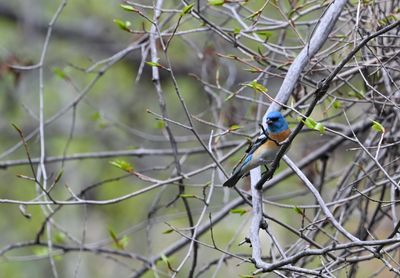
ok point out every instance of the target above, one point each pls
(337, 104)
(112, 234)
(257, 86)
(41, 251)
(123, 242)
(238, 211)
(153, 64)
(341, 36)
(378, 127)
(128, 8)
(160, 124)
(253, 70)
(95, 116)
(123, 25)
(247, 276)
(118, 243)
(387, 20)
(298, 210)
(264, 34)
(320, 127)
(234, 127)
(216, 2)
(311, 124)
(236, 31)
(59, 72)
(59, 238)
(123, 165)
(187, 9)
(168, 231)
(187, 196)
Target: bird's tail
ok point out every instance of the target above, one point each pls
(231, 182)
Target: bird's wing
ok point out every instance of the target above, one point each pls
(260, 140)
(249, 152)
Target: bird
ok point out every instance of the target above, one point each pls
(264, 149)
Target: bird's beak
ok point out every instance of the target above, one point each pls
(269, 122)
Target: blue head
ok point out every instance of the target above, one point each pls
(276, 122)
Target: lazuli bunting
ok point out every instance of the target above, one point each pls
(264, 149)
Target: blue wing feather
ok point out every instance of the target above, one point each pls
(260, 140)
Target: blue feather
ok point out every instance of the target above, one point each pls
(247, 160)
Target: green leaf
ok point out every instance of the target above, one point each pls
(128, 8)
(153, 64)
(59, 72)
(168, 231)
(298, 210)
(341, 36)
(160, 124)
(387, 20)
(123, 165)
(337, 104)
(187, 196)
(216, 2)
(236, 31)
(41, 251)
(253, 70)
(187, 9)
(234, 127)
(59, 238)
(118, 243)
(247, 276)
(123, 25)
(238, 211)
(95, 116)
(264, 34)
(320, 127)
(257, 86)
(311, 124)
(123, 242)
(112, 234)
(378, 127)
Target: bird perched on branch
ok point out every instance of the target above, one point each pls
(264, 149)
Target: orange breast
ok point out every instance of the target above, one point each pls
(268, 150)
(281, 136)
